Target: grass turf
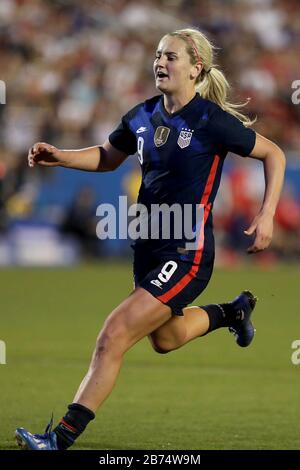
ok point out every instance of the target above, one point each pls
(211, 394)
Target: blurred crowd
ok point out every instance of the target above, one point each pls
(72, 68)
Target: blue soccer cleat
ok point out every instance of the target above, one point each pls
(242, 328)
(28, 441)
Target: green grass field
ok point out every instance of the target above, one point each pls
(211, 394)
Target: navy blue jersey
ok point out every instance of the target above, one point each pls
(181, 154)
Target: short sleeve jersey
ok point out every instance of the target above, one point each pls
(181, 154)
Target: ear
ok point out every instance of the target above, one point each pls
(196, 70)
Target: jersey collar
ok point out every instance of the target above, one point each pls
(186, 107)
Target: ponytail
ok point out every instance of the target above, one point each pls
(211, 83)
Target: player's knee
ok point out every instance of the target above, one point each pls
(107, 344)
(161, 347)
(112, 338)
(160, 350)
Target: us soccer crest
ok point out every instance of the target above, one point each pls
(185, 138)
(161, 135)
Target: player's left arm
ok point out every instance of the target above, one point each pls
(273, 160)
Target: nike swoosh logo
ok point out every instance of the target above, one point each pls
(141, 129)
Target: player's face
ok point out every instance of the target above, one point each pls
(172, 67)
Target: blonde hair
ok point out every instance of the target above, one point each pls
(211, 83)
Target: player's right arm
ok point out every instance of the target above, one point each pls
(99, 158)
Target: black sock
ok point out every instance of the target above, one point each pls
(72, 425)
(219, 315)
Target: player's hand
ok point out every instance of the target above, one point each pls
(44, 154)
(262, 227)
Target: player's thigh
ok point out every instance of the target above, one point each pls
(137, 316)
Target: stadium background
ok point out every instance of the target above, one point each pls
(71, 70)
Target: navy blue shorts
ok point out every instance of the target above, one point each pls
(170, 278)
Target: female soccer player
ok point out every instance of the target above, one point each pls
(182, 137)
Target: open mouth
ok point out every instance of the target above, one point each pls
(161, 75)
